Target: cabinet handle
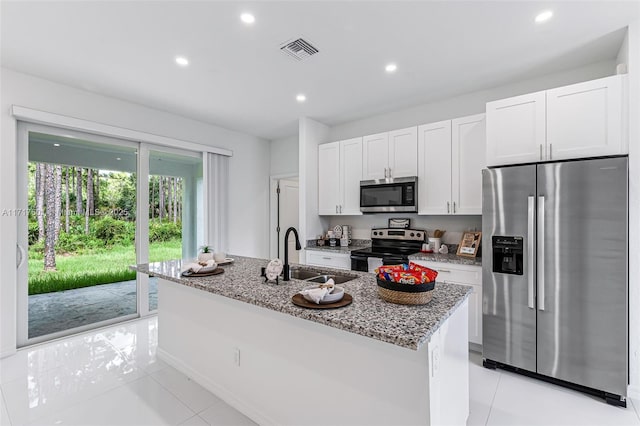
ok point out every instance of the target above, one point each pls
(340, 208)
(326, 258)
(444, 270)
(540, 152)
(385, 172)
(336, 208)
(550, 151)
(389, 171)
(454, 206)
(448, 209)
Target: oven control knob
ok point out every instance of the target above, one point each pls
(381, 232)
(413, 235)
(418, 235)
(375, 233)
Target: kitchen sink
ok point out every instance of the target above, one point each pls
(319, 277)
(338, 279)
(302, 274)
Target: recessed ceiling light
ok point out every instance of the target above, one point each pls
(544, 16)
(56, 144)
(182, 61)
(247, 18)
(301, 98)
(391, 68)
(118, 158)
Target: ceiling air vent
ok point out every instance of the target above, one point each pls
(298, 49)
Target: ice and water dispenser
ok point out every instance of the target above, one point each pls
(507, 254)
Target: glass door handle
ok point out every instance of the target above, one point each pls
(21, 255)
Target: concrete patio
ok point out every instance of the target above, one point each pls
(52, 312)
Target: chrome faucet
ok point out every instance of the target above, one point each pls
(286, 272)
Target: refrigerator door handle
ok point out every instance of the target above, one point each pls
(540, 252)
(531, 256)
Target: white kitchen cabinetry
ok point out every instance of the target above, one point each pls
(469, 275)
(468, 151)
(577, 121)
(451, 156)
(390, 154)
(516, 129)
(339, 174)
(585, 119)
(330, 260)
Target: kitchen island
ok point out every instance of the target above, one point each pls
(371, 362)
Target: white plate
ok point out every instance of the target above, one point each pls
(226, 261)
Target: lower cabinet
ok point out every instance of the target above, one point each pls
(469, 275)
(330, 260)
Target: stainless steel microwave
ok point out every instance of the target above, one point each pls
(389, 195)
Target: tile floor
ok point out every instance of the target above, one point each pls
(112, 377)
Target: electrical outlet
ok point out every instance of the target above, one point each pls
(236, 356)
(435, 361)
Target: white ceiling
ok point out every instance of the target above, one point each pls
(239, 79)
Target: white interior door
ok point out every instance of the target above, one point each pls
(289, 215)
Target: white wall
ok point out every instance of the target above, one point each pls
(248, 175)
(312, 134)
(466, 104)
(633, 57)
(284, 156)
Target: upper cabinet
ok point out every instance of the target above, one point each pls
(468, 148)
(516, 129)
(576, 121)
(339, 174)
(451, 156)
(390, 154)
(585, 119)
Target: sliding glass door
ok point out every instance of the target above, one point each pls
(91, 207)
(175, 208)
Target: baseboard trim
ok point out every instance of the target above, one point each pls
(633, 391)
(222, 393)
(8, 353)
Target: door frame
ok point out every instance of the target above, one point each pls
(273, 210)
(142, 224)
(22, 181)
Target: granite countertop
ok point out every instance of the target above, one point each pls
(447, 258)
(402, 325)
(338, 249)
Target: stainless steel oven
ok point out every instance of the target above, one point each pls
(389, 195)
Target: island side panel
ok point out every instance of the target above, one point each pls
(449, 370)
(292, 371)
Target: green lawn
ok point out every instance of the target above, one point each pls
(100, 266)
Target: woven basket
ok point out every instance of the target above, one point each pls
(405, 294)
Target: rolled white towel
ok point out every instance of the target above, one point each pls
(315, 294)
(195, 267)
(318, 293)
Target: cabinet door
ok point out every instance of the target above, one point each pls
(585, 119)
(330, 260)
(350, 176)
(375, 156)
(468, 149)
(516, 130)
(403, 147)
(434, 168)
(328, 178)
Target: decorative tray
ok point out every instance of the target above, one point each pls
(299, 300)
(190, 274)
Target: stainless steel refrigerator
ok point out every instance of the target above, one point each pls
(555, 272)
